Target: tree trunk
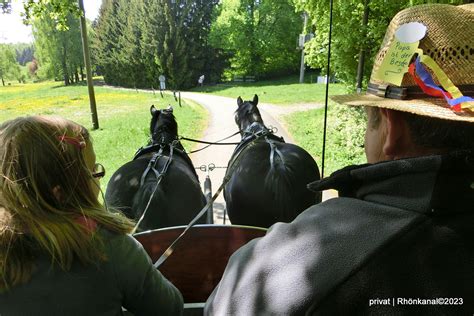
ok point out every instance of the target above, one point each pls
(360, 66)
(3, 82)
(64, 65)
(77, 76)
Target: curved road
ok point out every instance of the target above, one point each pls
(221, 124)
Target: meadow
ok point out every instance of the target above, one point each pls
(124, 115)
(284, 91)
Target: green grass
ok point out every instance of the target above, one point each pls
(124, 116)
(344, 136)
(282, 92)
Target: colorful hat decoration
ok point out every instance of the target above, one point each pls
(425, 65)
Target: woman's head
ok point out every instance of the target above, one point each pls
(49, 197)
(46, 167)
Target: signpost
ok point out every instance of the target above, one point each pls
(302, 39)
(162, 80)
(201, 80)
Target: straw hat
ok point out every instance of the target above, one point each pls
(449, 41)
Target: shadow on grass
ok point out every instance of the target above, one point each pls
(294, 79)
(96, 82)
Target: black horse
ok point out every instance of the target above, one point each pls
(160, 179)
(268, 176)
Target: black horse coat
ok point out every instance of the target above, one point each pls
(268, 177)
(175, 198)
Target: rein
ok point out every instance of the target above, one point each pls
(227, 177)
(247, 143)
(218, 142)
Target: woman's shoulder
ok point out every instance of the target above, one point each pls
(115, 241)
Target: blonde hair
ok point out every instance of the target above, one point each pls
(38, 158)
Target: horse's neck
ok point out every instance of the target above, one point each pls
(159, 143)
(256, 130)
(253, 129)
(164, 139)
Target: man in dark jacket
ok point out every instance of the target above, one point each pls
(399, 239)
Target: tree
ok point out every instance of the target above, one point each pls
(203, 58)
(61, 11)
(138, 41)
(9, 68)
(58, 50)
(32, 68)
(174, 39)
(24, 53)
(5, 6)
(350, 37)
(108, 44)
(261, 35)
(173, 47)
(131, 53)
(57, 10)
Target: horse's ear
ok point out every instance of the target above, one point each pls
(239, 101)
(170, 109)
(153, 110)
(255, 100)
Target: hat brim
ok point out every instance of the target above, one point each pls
(426, 107)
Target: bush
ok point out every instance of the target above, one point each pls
(344, 136)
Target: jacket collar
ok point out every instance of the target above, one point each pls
(428, 184)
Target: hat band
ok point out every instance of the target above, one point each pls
(408, 93)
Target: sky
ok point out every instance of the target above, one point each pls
(12, 29)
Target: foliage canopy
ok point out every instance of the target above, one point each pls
(349, 35)
(9, 67)
(259, 35)
(136, 41)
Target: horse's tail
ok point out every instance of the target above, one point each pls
(279, 181)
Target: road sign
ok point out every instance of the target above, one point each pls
(162, 82)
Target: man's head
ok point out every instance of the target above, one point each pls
(394, 134)
(420, 96)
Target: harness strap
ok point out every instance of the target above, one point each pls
(151, 166)
(159, 176)
(274, 150)
(272, 153)
(252, 134)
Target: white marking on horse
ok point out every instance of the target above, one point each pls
(134, 182)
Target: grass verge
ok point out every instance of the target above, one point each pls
(344, 136)
(124, 116)
(282, 92)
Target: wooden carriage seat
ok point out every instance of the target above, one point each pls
(200, 257)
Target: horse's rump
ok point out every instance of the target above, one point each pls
(176, 199)
(269, 184)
